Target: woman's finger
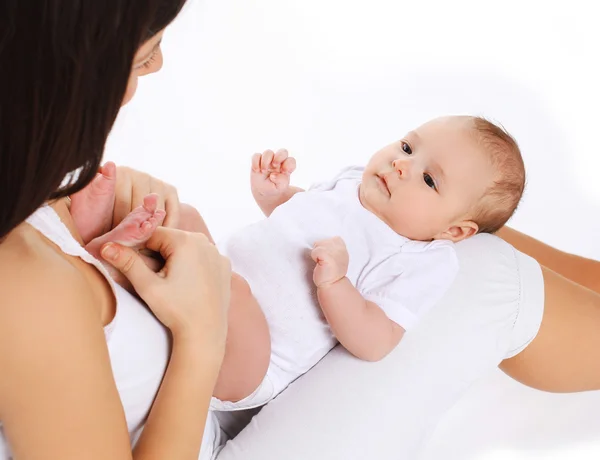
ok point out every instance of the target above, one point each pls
(160, 187)
(172, 206)
(141, 187)
(131, 265)
(123, 196)
(166, 241)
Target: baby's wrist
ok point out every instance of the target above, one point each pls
(269, 194)
(330, 284)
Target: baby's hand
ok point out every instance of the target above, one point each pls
(331, 257)
(271, 172)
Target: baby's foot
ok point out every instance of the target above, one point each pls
(92, 207)
(137, 227)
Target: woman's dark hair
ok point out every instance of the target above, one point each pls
(64, 68)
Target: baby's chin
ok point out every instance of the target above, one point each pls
(409, 230)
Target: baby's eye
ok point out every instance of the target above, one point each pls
(406, 148)
(429, 181)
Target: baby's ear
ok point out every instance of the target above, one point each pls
(459, 231)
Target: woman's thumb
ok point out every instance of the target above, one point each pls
(129, 262)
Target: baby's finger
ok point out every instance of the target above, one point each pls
(279, 158)
(319, 255)
(289, 165)
(280, 180)
(337, 241)
(256, 162)
(322, 243)
(266, 160)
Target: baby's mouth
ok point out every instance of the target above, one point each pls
(382, 182)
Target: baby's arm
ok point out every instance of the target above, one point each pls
(360, 326)
(270, 179)
(268, 204)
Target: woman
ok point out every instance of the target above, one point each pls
(84, 364)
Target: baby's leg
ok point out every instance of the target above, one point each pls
(92, 207)
(135, 229)
(248, 350)
(190, 220)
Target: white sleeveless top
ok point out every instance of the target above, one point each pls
(137, 342)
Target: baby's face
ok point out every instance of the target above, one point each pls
(425, 185)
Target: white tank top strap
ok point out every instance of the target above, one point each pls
(46, 221)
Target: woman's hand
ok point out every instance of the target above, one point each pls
(191, 294)
(131, 188)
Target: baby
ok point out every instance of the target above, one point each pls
(361, 258)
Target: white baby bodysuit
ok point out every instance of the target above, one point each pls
(404, 277)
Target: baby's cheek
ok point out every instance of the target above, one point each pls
(424, 220)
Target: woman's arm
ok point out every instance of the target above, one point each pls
(58, 398)
(585, 272)
(175, 427)
(190, 295)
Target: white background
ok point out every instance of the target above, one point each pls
(333, 81)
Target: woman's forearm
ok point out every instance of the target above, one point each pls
(176, 422)
(585, 272)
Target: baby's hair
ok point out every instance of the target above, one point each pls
(501, 199)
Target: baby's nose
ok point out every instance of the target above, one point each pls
(402, 167)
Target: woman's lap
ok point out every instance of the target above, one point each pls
(347, 409)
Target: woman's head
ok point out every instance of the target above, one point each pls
(66, 67)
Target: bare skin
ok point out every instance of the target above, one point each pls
(563, 358)
(565, 354)
(58, 397)
(580, 270)
(248, 348)
(66, 314)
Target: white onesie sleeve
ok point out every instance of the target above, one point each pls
(406, 285)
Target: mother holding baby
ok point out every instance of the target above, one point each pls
(89, 372)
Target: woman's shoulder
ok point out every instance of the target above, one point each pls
(54, 360)
(38, 282)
